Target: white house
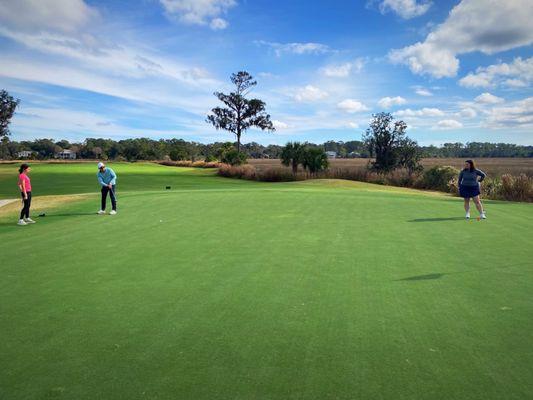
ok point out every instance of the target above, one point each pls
(66, 155)
(24, 154)
(331, 154)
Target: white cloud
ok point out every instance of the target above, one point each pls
(472, 80)
(424, 112)
(199, 12)
(473, 25)
(352, 106)
(423, 92)
(517, 74)
(353, 125)
(218, 24)
(343, 70)
(487, 98)
(516, 114)
(405, 8)
(57, 15)
(310, 93)
(467, 113)
(388, 102)
(515, 83)
(449, 124)
(295, 48)
(279, 125)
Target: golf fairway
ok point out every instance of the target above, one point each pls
(228, 289)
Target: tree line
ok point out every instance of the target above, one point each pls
(178, 149)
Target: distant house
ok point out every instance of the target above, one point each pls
(331, 154)
(354, 154)
(66, 155)
(24, 154)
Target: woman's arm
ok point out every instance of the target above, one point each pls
(23, 188)
(460, 178)
(481, 174)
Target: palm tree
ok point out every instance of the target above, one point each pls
(315, 160)
(293, 154)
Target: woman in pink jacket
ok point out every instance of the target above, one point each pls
(24, 185)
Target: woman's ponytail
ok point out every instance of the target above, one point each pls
(23, 168)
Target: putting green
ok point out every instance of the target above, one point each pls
(227, 289)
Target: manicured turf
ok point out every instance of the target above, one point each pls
(224, 289)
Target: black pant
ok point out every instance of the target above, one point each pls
(111, 192)
(25, 212)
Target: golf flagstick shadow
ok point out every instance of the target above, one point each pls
(436, 219)
(74, 214)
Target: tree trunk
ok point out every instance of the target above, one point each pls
(238, 143)
(294, 168)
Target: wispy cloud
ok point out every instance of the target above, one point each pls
(406, 9)
(343, 70)
(295, 48)
(310, 93)
(388, 102)
(352, 106)
(199, 12)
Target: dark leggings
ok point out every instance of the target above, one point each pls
(25, 212)
(105, 191)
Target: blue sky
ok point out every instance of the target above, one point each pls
(453, 70)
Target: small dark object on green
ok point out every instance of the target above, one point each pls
(42, 215)
(168, 187)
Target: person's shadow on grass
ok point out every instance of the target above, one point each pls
(440, 275)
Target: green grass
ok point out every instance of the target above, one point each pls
(227, 289)
(53, 179)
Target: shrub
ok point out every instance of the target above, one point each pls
(184, 163)
(190, 164)
(453, 185)
(279, 175)
(212, 164)
(491, 188)
(401, 178)
(438, 178)
(237, 171)
(517, 188)
(233, 157)
(210, 158)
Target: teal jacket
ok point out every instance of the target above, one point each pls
(107, 177)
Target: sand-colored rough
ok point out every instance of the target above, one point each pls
(42, 203)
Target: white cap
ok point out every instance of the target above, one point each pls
(100, 165)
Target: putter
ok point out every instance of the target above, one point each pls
(111, 190)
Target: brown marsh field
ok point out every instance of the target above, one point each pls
(494, 167)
